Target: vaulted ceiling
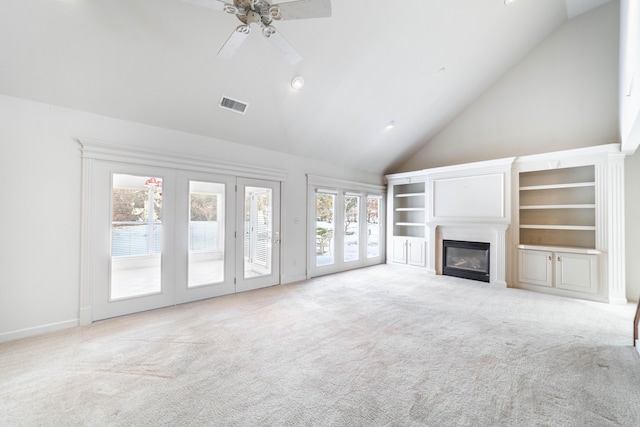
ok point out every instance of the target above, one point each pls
(417, 63)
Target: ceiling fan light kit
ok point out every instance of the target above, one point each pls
(261, 14)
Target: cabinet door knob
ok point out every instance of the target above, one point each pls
(549, 257)
(559, 259)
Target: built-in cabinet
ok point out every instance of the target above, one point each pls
(557, 229)
(569, 234)
(407, 205)
(555, 220)
(563, 270)
(409, 250)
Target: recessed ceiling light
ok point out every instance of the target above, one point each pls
(390, 125)
(508, 2)
(297, 82)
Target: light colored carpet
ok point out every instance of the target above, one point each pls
(382, 346)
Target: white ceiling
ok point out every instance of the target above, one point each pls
(416, 62)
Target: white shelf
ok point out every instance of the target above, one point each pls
(570, 249)
(557, 186)
(409, 194)
(575, 206)
(560, 227)
(409, 209)
(410, 224)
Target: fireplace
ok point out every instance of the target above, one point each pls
(469, 260)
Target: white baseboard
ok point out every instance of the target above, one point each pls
(37, 330)
(86, 316)
(638, 346)
(292, 279)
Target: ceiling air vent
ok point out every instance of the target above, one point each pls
(234, 105)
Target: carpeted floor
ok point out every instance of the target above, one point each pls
(382, 346)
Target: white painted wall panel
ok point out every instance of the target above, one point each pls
(469, 197)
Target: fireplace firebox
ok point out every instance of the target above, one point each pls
(469, 260)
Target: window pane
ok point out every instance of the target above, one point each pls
(351, 228)
(325, 214)
(136, 236)
(373, 226)
(206, 233)
(258, 226)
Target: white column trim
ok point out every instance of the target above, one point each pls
(86, 244)
(616, 236)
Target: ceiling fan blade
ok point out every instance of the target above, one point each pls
(289, 52)
(302, 9)
(211, 4)
(234, 41)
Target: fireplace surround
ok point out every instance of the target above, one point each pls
(494, 234)
(468, 260)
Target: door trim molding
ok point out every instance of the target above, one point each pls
(99, 150)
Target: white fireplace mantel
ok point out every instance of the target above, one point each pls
(492, 233)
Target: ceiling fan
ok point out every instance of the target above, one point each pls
(260, 14)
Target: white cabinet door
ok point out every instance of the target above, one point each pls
(399, 252)
(576, 272)
(416, 253)
(535, 267)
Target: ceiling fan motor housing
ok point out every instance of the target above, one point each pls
(253, 18)
(258, 12)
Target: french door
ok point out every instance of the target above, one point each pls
(163, 236)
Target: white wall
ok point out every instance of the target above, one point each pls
(632, 225)
(562, 95)
(630, 133)
(40, 177)
(630, 74)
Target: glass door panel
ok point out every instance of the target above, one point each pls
(206, 233)
(258, 230)
(351, 228)
(259, 223)
(204, 242)
(373, 226)
(136, 236)
(325, 220)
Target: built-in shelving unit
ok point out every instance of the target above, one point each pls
(558, 207)
(406, 204)
(554, 221)
(409, 209)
